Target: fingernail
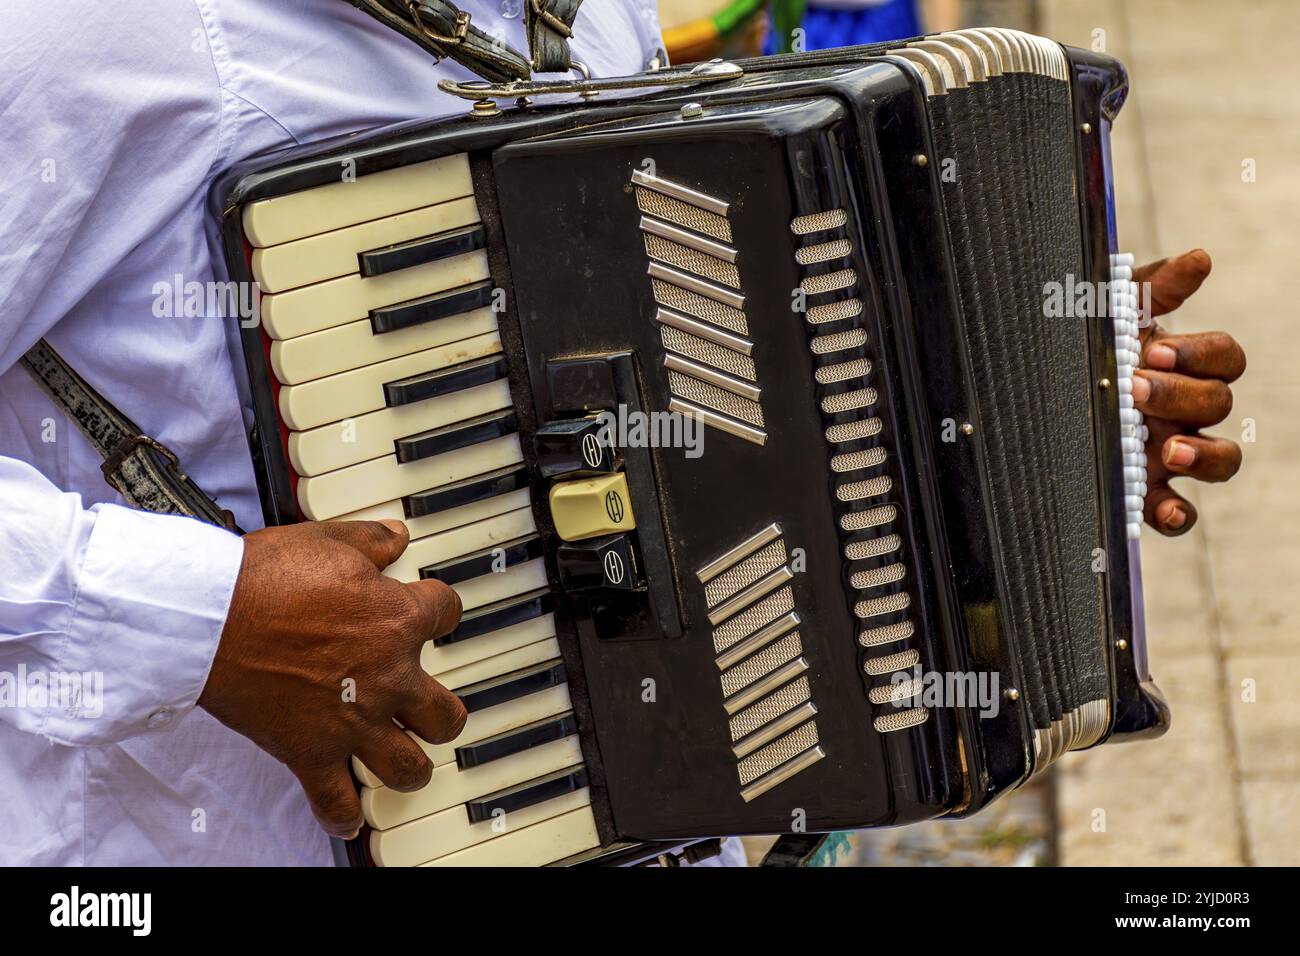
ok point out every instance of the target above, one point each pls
(1176, 518)
(1141, 389)
(1179, 454)
(1161, 357)
(395, 526)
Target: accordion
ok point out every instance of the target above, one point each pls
(788, 478)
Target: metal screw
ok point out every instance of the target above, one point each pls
(1012, 694)
(920, 159)
(968, 429)
(1121, 644)
(484, 109)
(1086, 128)
(1104, 384)
(692, 110)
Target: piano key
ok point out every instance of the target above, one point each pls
(490, 648)
(355, 345)
(487, 561)
(382, 479)
(417, 388)
(437, 521)
(377, 434)
(341, 252)
(439, 441)
(461, 541)
(360, 390)
(542, 843)
(449, 785)
(428, 503)
(492, 617)
(527, 794)
(511, 662)
(430, 308)
(439, 834)
(428, 248)
(510, 742)
(309, 212)
(484, 724)
(497, 586)
(512, 686)
(352, 297)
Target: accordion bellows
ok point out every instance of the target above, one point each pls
(775, 494)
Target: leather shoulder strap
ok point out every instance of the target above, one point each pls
(145, 472)
(447, 31)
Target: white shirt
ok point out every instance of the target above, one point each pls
(116, 118)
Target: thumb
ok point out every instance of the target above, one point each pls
(382, 542)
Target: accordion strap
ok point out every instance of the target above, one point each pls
(447, 32)
(146, 473)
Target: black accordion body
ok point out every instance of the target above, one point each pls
(779, 494)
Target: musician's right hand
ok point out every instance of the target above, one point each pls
(320, 653)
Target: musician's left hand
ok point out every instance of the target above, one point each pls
(1183, 386)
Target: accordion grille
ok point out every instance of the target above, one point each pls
(887, 634)
(699, 306)
(718, 399)
(708, 353)
(769, 708)
(683, 214)
(692, 260)
(849, 401)
(762, 562)
(871, 518)
(834, 311)
(761, 664)
(872, 548)
(768, 758)
(900, 720)
(856, 461)
(764, 612)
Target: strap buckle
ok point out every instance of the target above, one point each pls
(551, 20)
(126, 448)
(462, 26)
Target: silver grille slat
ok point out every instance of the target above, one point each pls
(819, 222)
(903, 660)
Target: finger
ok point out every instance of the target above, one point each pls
(1201, 457)
(1173, 280)
(396, 759)
(1180, 398)
(439, 608)
(333, 799)
(1168, 512)
(382, 542)
(1204, 355)
(439, 717)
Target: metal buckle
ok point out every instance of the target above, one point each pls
(126, 448)
(462, 26)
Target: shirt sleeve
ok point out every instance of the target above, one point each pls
(109, 617)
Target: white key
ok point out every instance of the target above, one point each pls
(479, 536)
(385, 808)
(383, 479)
(309, 212)
(483, 724)
(439, 834)
(361, 390)
(442, 520)
(337, 253)
(515, 660)
(499, 585)
(489, 648)
(372, 435)
(537, 845)
(354, 345)
(327, 304)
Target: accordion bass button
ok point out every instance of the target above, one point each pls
(574, 447)
(592, 507)
(606, 563)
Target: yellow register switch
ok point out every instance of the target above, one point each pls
(590, 507)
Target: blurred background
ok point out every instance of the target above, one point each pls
(1207, 155)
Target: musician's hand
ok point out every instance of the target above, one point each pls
(320, 653)
(1183, 386)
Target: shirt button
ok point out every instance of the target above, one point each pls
(160, 718)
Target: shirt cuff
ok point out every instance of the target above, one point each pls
(152, 598)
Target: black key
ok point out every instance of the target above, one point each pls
(467, 298)
(493, 617)
(575, 446)
(512, 686)
(461, 435)
(487, 561)
(479, 488)
(417, 252)
(527, 794)
(417, 388)
(518, 740)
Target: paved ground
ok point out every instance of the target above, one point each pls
(1213, 89)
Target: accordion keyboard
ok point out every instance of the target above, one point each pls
(378, 305)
